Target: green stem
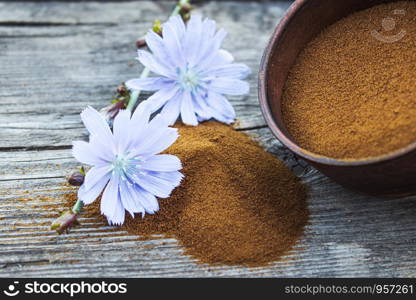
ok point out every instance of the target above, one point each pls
(135, 94)
(177, 8)
(76, 209)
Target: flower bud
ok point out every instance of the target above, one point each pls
(186, 17)
(66, 220)
(121, 89)
(185, 8)
(77, 178)
(157, 27)
(111, 111)
(140, 43)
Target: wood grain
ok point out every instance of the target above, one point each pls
(58, 57)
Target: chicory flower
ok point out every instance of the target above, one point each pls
(126, 163)
(194, 72)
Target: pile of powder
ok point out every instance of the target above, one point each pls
(352, 92)
(237, 204)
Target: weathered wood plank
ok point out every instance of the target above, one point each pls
(74, 54)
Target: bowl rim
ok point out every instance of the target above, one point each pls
(278, 33)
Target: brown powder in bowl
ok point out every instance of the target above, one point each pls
(352, 92)
(237, 204)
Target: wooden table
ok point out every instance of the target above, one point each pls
(58, 57)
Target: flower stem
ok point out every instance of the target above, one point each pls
(178, 7)
(136, 93)
(76, 209)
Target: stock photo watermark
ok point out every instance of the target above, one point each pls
(70, 289)
(389, 25)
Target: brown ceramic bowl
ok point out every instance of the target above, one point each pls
(393, 174)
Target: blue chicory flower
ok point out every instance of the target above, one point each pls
(195, 72)
(126, 163)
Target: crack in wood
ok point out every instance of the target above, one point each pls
(25, 36)
(49, 23)
(34, 262)
(251, 128)
(35, 148)
(31, 178)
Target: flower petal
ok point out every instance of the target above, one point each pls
(139, 123)
(141, 115)
(187, 110)
(84, 153)
(111, 205)
(154, 185)
(158, 99)
(87, 196)
(229, 86)
(220, 104)
(178, 25)
(208, 30)
(215, 114)
(157, 123)
(119, 214)
(148, 200)
(171, 110)
(193, 38)
(102, 148)
(121, 129)
(163, 139)
(201, 108)
(162, 163)
(174, 177)
(237, 71)
(158, 138)
(129, 198)
(205, 58)
(152, 63)
(148, 84)
(222, 57)
(95, 174)
(209, 27)
(156, 45)
(221, 118)
(95, 123)
(171, 39)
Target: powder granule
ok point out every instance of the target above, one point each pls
(238, 205)
(351, 94)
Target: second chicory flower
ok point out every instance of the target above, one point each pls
(194, 72)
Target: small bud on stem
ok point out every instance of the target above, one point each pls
(122, 90)
(186, 17)
(77, 178)
(68, 218)
(157, 27)
(185, 8)
(140, 43)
